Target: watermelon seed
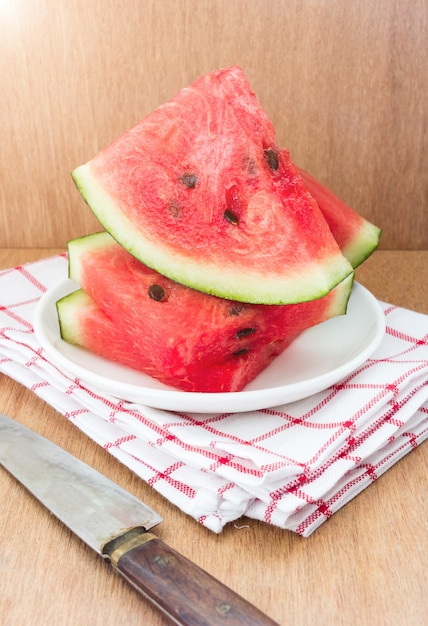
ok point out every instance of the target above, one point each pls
(156, 292)
(245, 332)
(271, 157)
(189, 180)
(239, 352)
(174, 209)
(231, 217)
(236, 309)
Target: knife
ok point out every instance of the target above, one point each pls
(115, 524)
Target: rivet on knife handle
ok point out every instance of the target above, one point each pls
(185, 593)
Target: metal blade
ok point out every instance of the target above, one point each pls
(92, 506)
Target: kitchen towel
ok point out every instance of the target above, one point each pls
(292, 466)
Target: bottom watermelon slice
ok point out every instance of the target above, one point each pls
(129, 313)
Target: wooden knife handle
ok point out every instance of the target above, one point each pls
(184, 592)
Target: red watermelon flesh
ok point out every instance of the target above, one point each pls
(84, 324)
(200, 192)
(357, 237)
(193, 341)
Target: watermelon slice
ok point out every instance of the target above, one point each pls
(357, 237)
(200, 192)
(129, 313)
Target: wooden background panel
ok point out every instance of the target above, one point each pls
(345, 83)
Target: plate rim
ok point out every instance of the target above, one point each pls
(176, 400)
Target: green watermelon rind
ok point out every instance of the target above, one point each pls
(308, 283)
(340, 303)
(66, 311)
(79, 246)
(363, 244)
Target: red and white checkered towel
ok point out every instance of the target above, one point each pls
(292, 466)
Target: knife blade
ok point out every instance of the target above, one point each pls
(115, 524)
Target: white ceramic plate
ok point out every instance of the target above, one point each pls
(318, 358)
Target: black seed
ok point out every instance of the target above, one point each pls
(231, 217)
(245, 332)
(156, 292)
(189, 180)
(271, 157)
(236, 309)
(174, 209)
(239, 352)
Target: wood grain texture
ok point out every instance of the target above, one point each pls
(365, 566)
(345, 84)
(186, 593)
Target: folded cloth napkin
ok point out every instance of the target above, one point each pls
(292, 466)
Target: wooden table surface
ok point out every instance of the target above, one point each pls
(367, 565)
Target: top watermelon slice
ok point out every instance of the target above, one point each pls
(200, 192)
